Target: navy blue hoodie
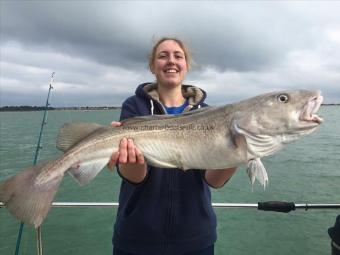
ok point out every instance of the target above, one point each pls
(170, 211)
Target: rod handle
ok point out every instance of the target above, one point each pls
(276, 206)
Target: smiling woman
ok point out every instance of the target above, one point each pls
(164, 210)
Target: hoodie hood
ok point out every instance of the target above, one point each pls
(194, 95)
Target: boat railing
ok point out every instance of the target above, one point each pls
(265, 206)
(277, 206)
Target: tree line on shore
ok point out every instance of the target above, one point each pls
(42, 108)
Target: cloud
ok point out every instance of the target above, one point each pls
(30, 74)
(99, 49)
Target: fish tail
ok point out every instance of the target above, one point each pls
(25, 198)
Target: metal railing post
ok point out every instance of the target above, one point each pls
(39, 241)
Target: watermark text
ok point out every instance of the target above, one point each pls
(171, 127)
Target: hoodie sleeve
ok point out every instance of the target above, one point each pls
(129, 109)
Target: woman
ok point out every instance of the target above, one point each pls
(164, 211)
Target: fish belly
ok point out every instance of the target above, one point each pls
(190, 152)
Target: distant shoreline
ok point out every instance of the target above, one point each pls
(80, 108)
(42, 108)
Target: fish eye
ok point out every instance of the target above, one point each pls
(283, 98)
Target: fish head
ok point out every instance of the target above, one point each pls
(268, 121)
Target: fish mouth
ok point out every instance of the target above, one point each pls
(308, 113)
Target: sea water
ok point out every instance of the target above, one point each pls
(305, 171)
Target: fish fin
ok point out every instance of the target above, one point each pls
(258, 145)
(138, 119)
(86, 171)
(73, 132)
(256, 170)
(26, 200)
(197, 111)
(262, 145)
(135, 120)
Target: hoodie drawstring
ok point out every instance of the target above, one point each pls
(152, 107)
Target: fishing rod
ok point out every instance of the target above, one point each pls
(38, 148)
(43, 123)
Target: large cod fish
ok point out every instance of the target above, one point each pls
(208, 138)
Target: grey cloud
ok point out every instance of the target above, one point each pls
(226, 35)
(72, 28)
(100, 48)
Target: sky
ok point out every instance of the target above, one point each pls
(99, 49)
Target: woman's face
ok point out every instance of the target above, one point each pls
(169, 66)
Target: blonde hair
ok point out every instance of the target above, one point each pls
(187, 53)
